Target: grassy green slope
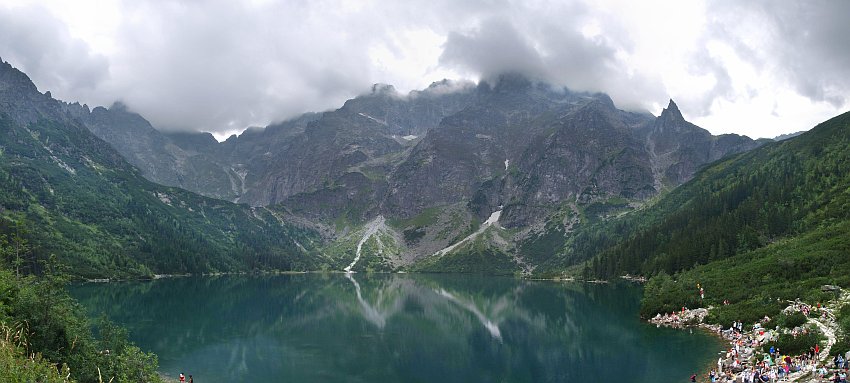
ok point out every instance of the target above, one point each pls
(759, 282)
(72, 196)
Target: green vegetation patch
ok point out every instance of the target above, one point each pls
(42, 327)
(426, 218)
(759, 282)
(479, 256)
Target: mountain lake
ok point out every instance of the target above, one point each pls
(397, 328)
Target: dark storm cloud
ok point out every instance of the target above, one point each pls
(224, 65)
(493, 48)
(814, 44)
(547, 44)
(35, 40)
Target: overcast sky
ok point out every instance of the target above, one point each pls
(759, 68)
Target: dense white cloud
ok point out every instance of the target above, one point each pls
(759, 68)
(33, 38)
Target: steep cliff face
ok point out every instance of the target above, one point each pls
(368, 135)
(587, 154)
(678, 148)
(546, 161)
(147, 148)
(156, 154)
(475, 147)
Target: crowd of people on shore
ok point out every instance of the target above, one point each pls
(746, 361)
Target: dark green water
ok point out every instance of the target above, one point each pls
(397, 328)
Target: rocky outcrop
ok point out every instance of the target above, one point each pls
(679, 148)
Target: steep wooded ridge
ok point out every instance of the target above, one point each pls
(782, 190)
(494, 177)
(70, 194)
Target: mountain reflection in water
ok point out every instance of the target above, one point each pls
(396, 327)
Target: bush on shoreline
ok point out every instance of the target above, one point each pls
(16, 366)
(794, 345)
(51, 329)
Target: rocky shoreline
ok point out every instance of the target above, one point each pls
(744, 360)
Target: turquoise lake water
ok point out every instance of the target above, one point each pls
(397, 328)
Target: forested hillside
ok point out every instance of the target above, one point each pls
(740, 204)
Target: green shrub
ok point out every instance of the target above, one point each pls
(841, 346)
(749, 312)
(15, 366)
(844, 319)
(796, 319)
(787, 321)
(50, 329)
(663, 294)
(794, 345)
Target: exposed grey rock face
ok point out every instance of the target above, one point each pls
(23, 102)
(591, 154)
(157, 155)
(193, 142)
(678, 148)
(783, 137)
(367, 135)
(473, 146)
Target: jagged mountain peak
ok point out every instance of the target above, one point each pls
(384, 89)
(445, 86)
(672, 113)
(440, 83)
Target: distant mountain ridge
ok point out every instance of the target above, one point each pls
(436, 163)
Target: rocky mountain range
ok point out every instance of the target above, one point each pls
(422, 172)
